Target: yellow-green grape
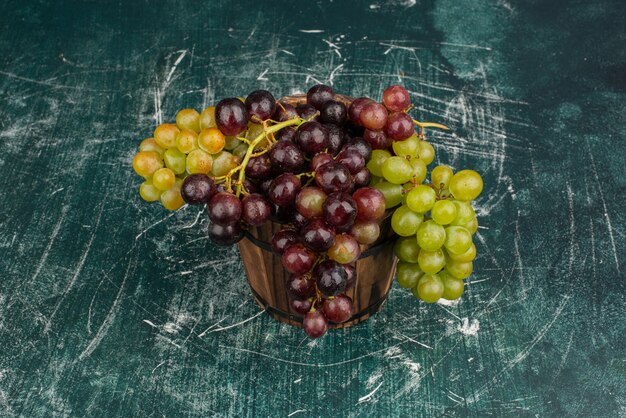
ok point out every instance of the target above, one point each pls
(186, 141)
(188, 119)
(472, 225)
(175, 160)
(468, 255)
(207, 118)
(240, 151)
(458, 240)
(254, 130)
(375, 180)
(199, 161)
(407, 250)
(426, 152)
(464, 213)
(409, 147)
(440, 177)
(165, 135)
(431, 261)
(419, 170)
(459, 269)
(148, 192)
(149, 144)
(405, 222)
(443, 212)
(429, 288)
(145, 163)
(231, 142)
(452, 287)
(397, 170)
(375, 164)
(392, 193)
(211, 140)
(431, 235)
(466, 185)
(171, 199)
(223, 162)
(163, 179)
(408, 274)
(421, 199)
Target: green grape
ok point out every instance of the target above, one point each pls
(207, 118)
(440, 177)
(459, 269)
(468, 255)
(392, 193)
(231, 142)
(429, 288)
(171, 199)
(408, 274)
(186, 141)
(405, 222)
(409, 147)
(431, 261)
(430, 235)
(458, 240)
(472, 225)
(165, 135)
(149, 144)
(148, 192)
(443, 212)
(426, 152)
(452, 287)
(374, 180)
(464, 213)
(375, 165)
(421, 199)
(188, 119)
(419, 170)
(145, 163)
(223, 162)
(397, 170)
(175, 160)
(240, 151)
(199, 161)
(407, 250)
(163, 179)
(466, 185)
(254, 130)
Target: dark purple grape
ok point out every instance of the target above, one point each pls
(340, 210)
(339, 309)
(305, 111)
(283, 214)
(250, 186)
(264, 186)
(286, 157)
(377, 139)
(260, 104)
(225, 234)
(311, 138)
(299, 287)
(330, 277)
(298, 220)
(335, 138)
(396, 98)
(370, 203)
(361, 145)
(298, 259)
(197, 189)
(351, 276)
(319, 160)
(315, 325)
(318, 95)
(256, 210)
(288, 133)
(333, 177)
(259, 167)
(283, 239)
(301, 306)
(231, 116)
(362, 178)
(351, 159)
(356, 107)
(284, 189)
(318, 235)
(224, 208)
(333, 112)
(284, 112)
(399, 126)
(373, 116)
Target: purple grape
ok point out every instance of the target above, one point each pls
(333, 177)
(284, 189)
(356, 107)
(286, 157)
(301, 306)
(231, 116)
(197, 189)
(305, 111)
(318, 235)
(396, 98)
(225, 234)
(315, 325)
(377, 139)
(299, 287)
(311, 138)
(339, 309)
(284, 112)
(250, 186)
(224, 208)
(298, 220)
(264, 186)
(259, 167)
(335, 138)
(361, 145)
(283, 239)
(298, 259)
(256, 210)
(351, 159)
(351, 276)
(283, 214)
(319, 160)
(286, 134)
(340, 210)
(399, 126)
(370, 203)
(333, 112)
(362, 178)
(318, 95)
(373, 116)
(260, 104)
(330, 277)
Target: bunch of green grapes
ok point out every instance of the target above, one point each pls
(435, 221)
(192, 145)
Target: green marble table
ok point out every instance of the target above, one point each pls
(113, 307)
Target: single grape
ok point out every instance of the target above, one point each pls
(471, 226)
(301, 306)
(370, 204)
(443, 212)
(396, 98)
(345, 249)
(365, 232)
(452, 287)
(405, 222)
(318, 95)
(163, 179)
(306, 111)
(333, 112)
(464, 213)
(199, 161)
(251, 187)
(259, 167)
(315, 325)
(352, 160)
(165, 135)
(431, 261)
(188, 119)
(419, 170)
(429, 288)
(186, 141)
(284, 112)
(298, 259)
(309, 202)
(350, 274)
(146, 163)
(264, 185)
(426, 152)
(466, 185)
(311, 138)
(431, 235)
(318, 235)
(340, 210)
(255, 209)
(211, 140)
(231, 116)
(207, 118)
(377, 139)
(224, 208)
(299, 286)
(297, 220)
(458, 269)
(373, 116)
(393, 193)
(339, 309)
(240, 151)
(197, 189)
(330, 277)
(283, 239)
(175, 160)
(335, 138)
(284, 189)
(360, 145)
(440, 177)
(286, 157)
(148, 192)
(333, 177)
(458, 240)
(149, 144)
(319, 160)
(408, 274)
(375, 165)
(468, 255)
(286, 134)
(228, 234)
(407, 148)
(260, 104)
(421, 199)
(397, 170)
(399, 126)
(171, 199)
(406, 249)
(356, 107)
(362, 178)
(223, 162)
